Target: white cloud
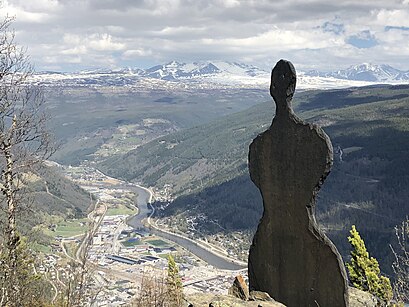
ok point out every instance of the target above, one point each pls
(230, 3)
(33, 6)
(27, 17)
(77, 44)
(83, 33)
(71, 39)
(56, 59)
(131, 54)
(397, 18)
(279, 39)
(74, 51)
(104, 42)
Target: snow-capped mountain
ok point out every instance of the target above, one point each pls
(174, 71)
(365, 72)
(216, 73)
(219, 74)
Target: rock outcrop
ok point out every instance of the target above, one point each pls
(218, 300)
(290, 258)
(239, 288)
(260, 296)
(357, 298)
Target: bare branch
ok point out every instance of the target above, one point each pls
(24, 144)
(401, 264)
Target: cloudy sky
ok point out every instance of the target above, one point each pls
(67, 35)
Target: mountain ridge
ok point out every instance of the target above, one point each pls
(365, 72)
(219, 73)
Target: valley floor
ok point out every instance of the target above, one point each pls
(122, 256)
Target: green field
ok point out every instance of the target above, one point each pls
(120, 210)
(68, 229)
(41, 248)
(130, 243)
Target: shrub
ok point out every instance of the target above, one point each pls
(364, 272)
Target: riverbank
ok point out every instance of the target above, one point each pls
(145, 197)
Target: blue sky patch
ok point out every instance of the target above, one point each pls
(362, 40)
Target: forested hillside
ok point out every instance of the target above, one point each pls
(49, 197)
(206, 165)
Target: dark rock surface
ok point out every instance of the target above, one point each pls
(290, 258)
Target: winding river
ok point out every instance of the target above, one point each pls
(207, 256)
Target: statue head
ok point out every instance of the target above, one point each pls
(283, 80)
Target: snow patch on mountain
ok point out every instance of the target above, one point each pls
(219, 74)
(365, 72)
(183, 71)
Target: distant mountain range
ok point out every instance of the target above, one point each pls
(214, 74)
(220, 73)
(365, 72)
(174, 71)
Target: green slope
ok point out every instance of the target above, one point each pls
(207, 165)
(191, 156)
(48, 197)
(214, 152)
(85, 119)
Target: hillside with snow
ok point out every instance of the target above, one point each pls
(365, 72)
(219, 74)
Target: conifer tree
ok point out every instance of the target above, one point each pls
(174, 283)
(364, 272)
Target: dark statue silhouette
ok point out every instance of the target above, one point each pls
(290, 258)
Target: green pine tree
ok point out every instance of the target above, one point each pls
(174, 283)
(364, 272)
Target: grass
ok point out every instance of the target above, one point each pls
(120, 210)
(130, 243)
(68, 229)
(71, 248)
(41, 248)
